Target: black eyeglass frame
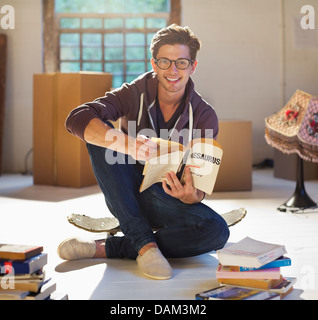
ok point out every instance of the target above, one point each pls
(175, 63)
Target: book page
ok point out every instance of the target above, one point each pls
(156, 168)
(204, 162)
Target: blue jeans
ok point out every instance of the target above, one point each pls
(184, 230)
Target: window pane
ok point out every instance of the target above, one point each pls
(135, 23)
(132, 77)
(149, 55)
(92, 53)
(80, 6)
(114, 67)
(133, 6)
(157, 5)
(149, 38)
(70, 67)
(113, 23)
(70, 23)
(135, 68)
(114, 53)
(115, 6)
(92, 23)
(92, 39)
(118, 81)
(69, 39)
(135, 53)
(114, 39)
(156, 23)
(70, 53)
(149, 66)
(135, 39)
(92, 66)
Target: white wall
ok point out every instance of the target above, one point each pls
(301, 51)
(245, 71)
(242, 65)
(24, 59)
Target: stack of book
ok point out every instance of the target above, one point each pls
(21, 273)
(251, 269)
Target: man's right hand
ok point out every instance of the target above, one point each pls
(100, 134)
(142, 148)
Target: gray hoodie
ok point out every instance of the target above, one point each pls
(135, 103)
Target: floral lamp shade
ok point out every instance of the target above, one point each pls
(294, 129)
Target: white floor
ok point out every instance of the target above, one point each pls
(37, 215)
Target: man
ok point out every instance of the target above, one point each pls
(161, 103)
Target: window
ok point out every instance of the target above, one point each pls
(106, 35)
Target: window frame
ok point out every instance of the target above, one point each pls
(52, 31)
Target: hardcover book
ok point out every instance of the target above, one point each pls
(18, 251)
(27, 266)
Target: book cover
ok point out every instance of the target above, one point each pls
(44, 292)
(280, 262)
(285, 286)
(29, 285)
(18, 251)
(26, 266)
(39, 275)
(233, 272)
(202, 156)
(250, 253)
(13, 294)
(235, 293)
(282, 287)
(264, 284)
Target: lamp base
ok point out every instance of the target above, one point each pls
(300, 200)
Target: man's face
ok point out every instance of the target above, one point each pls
(173, 79)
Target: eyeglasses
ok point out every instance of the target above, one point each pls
(165, 63)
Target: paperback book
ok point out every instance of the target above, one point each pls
(280, 262)
(264, 284)
(233, 272)
(236, 293)
(250, 253)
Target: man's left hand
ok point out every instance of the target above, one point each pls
(185, 193)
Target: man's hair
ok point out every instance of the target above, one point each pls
(172, 35)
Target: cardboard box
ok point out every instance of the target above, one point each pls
(235, 173)
(285, 167)
(59, 158)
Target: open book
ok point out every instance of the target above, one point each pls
(203, 156)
